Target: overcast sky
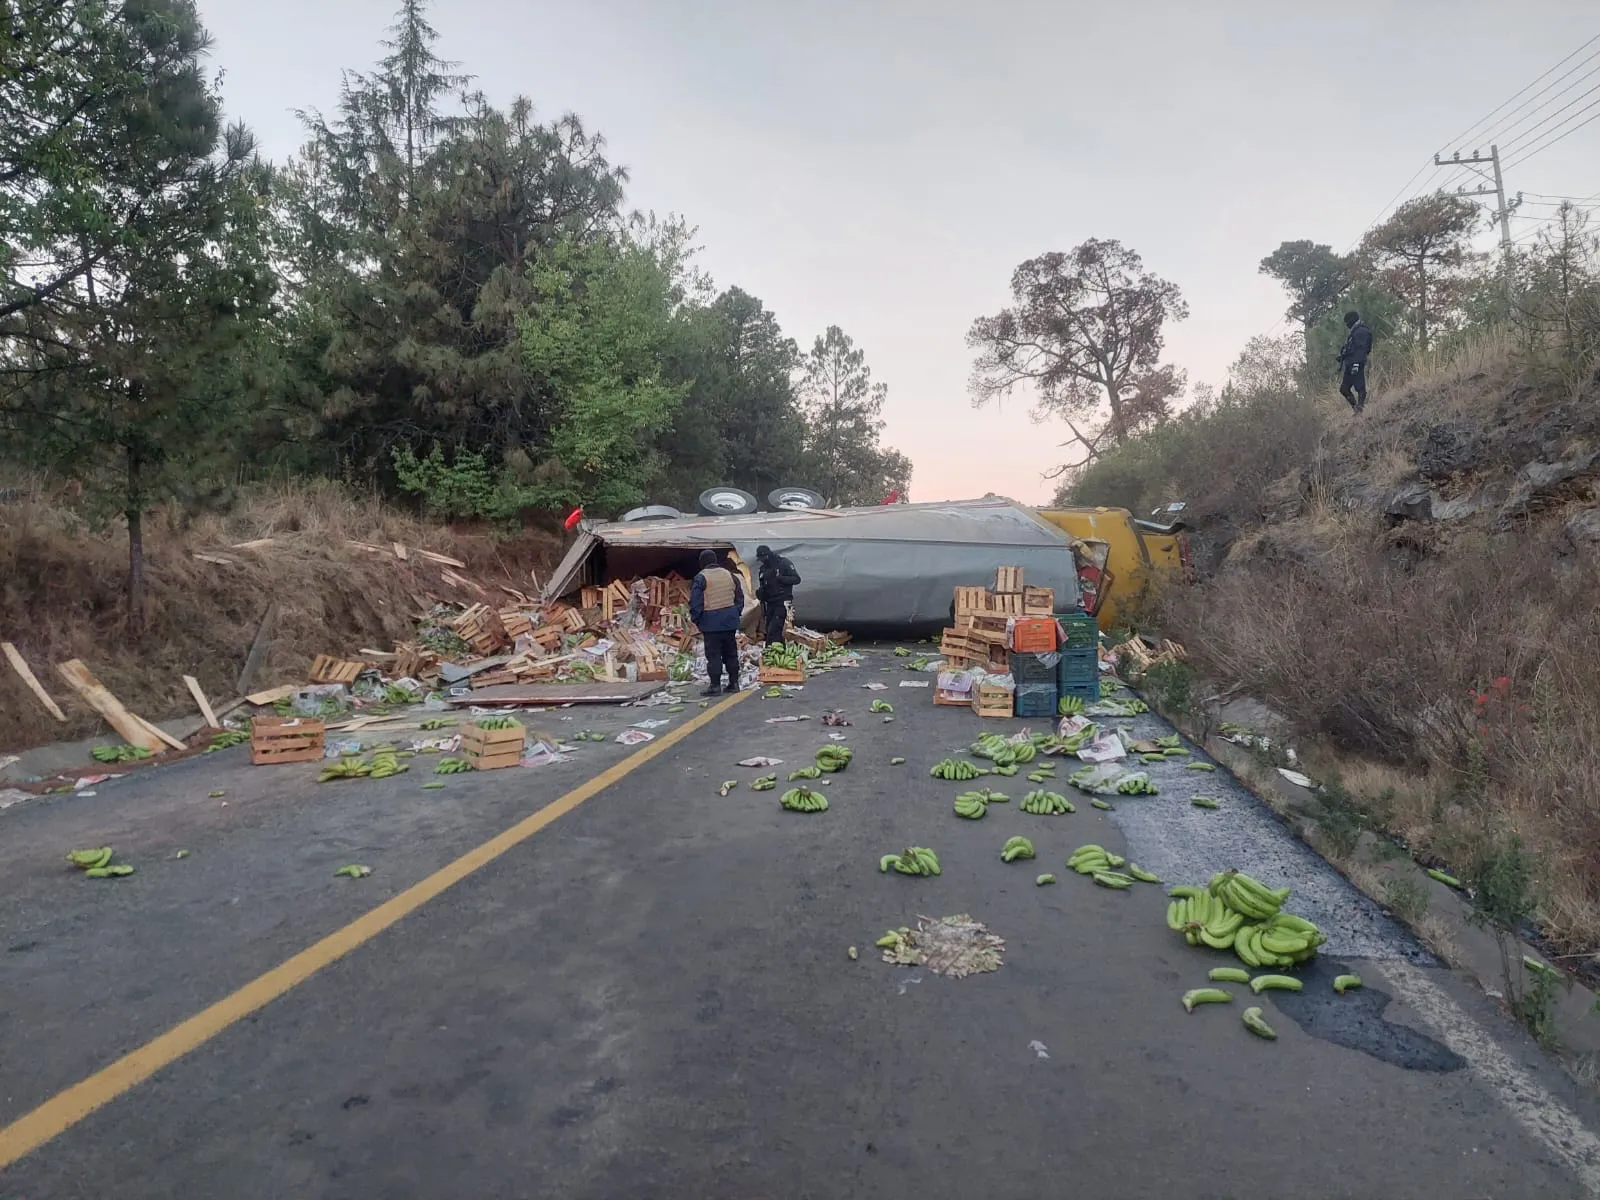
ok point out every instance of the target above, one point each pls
(883, 165)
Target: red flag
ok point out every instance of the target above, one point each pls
(893, 497)
(574, 517)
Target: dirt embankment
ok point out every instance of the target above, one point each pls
(1420, 596)
(62, 596)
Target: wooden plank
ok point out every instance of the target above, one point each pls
(160, 732)
(559, 693)
(400, 551)
(258, 649)
(255, 544)
(129, 727)
(20, 666)
(444, 560)
(216, 559)
(193, 684)
(272, 695)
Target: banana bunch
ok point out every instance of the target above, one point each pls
(782, 654)
(913, 860)
(97, 864)
(1070, 706)
(346, 767)
(224, 738)
(880, 706)
(1283, 940)
(834, 758)
(764, 784)
(1073, 742)
(1041, 803)
(451, 766)
(1044, 773)
(433, 723)
(1203, 919)
(1100, 865)
(1239, 913)
(972, 805)
(805, 773)
(1137, 784)
(803, 800)
(956, 770)
(492, 723)
(893, 940)
(1109, 687)
(1015, 848)
(773, 693)
(997, 750)
(1172, 741)
(386, 763)
(1249, 897)
(119, 754)
(1024, 752)
(901, 652)
(917, 664)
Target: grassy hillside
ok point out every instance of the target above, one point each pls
(1414, 589)
(62, 595)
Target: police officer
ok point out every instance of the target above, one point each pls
(775, 583)
(1353, 358)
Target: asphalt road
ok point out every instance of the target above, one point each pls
(651, 996)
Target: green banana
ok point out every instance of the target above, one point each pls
(913, 860)
(498, 723)
(1198, 996)
(1111, 879)
(764, 783)
(1443, 877)
(90, 859)
(897, 762)
(805, 773)
(1229, 975)
(1100, 804)
(451, 766)
(1345, 983)
(354, 871)
(1142, 875)
(834, 758)
(1041, 880)
(1275, 983)
(1199, 766)
(971, 805)
(1204, 802)
(1256, 1024)
(803, 800)
(1015, 848)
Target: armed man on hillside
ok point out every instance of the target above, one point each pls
(716, 602)
(1353, 358)
(775, 583)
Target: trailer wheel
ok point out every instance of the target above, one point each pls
(652, 512)
(726, 502)
(794, 499)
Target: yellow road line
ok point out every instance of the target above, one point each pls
(65, 1109)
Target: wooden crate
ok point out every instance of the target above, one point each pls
(1008, 579)
(994, 625)
(286, 740)
(972, 599)
(325, 668)
(491, 749)
(515, 622)
(480, 628)
(412, 661)
(1038, 601)
(1007, 604)
(648, 667)
(781, 675)
(991, 701)
(589, 597)
(613, 600)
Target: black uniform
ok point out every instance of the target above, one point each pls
(1357, 349)
(775, 584)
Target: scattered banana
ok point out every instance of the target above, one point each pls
(1149, 759)
(1256, 1024)
(1101, 804)
(434, 723)
(773, 693)
(451, 766)
(1086, 860)
(1015, 848)
(764, 783)
(803, 800)
(834, 758)
(112, 872)
(1345, 983)
(1237, 912)
(1228, 975)
(1042, 880)
(354, 871)
(1204, 802)
(1142, 875)
(1137, 784)
(1275, 983)
(901, 652)
(1046, 804)
(727, 786)
(1443, 877)
(971, 805)
(1069, 706)
(386, 763)
(346, 767)
(897, 762)
(1198, 996)
(224, 738)
(956, 770)
(913, 860)
(805, 773)
(119, 754)
(1199, 766)
(90, 860)
(880, 706)
(1112, 879)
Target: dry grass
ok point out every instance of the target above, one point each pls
(61, 594)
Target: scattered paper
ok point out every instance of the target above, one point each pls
(785, 720)
(1295, 777)
(633, 737)
(10, 796)
(1039, 1048)
(876, 687)
(838, 737)
(650, 724)
(760, 761)
(913, 683)
(90, 781)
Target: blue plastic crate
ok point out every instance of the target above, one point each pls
(1078, 668)
(1035, 668)
(1035, 700)
(1087, 692)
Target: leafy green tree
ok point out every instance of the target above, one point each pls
(1422, 252)
(1086, 331)
(1313, 275)
(843, 424)
(130, 369)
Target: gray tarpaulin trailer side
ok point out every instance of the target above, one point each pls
(893, 564)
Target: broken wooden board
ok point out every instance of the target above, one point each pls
(216, 560)
(558, 693)
(160, 733)
(325, 668)
(193, 684)
(129, 727)
(272, 695)
(444, 560)
(20, 666)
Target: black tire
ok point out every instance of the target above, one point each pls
(652, 512)
(726, 502)
(794, 499)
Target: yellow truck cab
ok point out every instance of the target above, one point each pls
(1141, 554)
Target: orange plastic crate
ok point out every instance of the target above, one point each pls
(1033, 635)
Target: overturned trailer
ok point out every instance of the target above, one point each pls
(893, 564)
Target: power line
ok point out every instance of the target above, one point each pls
(1473, 129)
(1560, 135)
(1524, 138)
(1518, 131)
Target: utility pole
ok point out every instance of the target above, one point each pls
(1498, 191)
